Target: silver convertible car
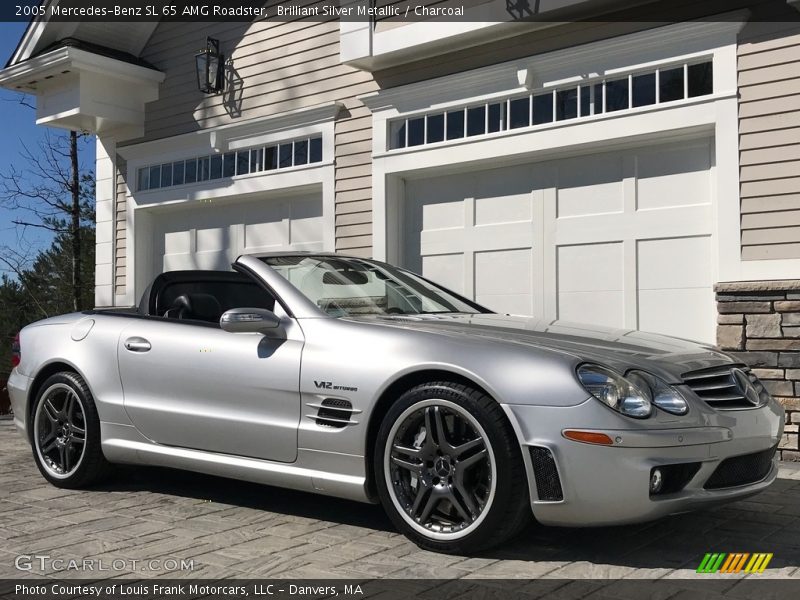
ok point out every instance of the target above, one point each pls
(353, 378)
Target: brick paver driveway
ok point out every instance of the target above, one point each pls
(234, 529)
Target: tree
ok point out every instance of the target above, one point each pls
(44, 289)
(52, 193)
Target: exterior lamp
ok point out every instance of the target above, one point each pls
(210, 63)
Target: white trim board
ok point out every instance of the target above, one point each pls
(629, 52)
(289, 124)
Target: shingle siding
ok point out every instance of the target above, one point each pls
(769, 140)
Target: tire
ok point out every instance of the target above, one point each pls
(451, 492)
(65, 433)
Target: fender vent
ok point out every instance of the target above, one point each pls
(548, 483)
(333, 412)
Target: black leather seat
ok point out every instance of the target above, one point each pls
(197, 307)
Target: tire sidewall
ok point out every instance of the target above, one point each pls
(498, 438)
(92, 444)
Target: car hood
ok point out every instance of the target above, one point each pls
(620, 349)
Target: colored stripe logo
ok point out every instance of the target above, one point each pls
(737, 562)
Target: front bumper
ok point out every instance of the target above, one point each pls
(609, 485)
(18, 386)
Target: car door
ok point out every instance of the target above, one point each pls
(193, 385)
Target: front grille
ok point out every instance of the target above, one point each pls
(548, 483)
(741, 470)
(718, 388)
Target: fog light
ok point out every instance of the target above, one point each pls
(656, 481)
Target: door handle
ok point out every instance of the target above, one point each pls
(137, 344)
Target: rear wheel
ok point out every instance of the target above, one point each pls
(66, 433)
(449, 469)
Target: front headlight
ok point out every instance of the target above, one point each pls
(659, 392)
(615, 391)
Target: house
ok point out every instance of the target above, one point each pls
(603, 162)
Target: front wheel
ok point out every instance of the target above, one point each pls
(66, 433)
(449, 469)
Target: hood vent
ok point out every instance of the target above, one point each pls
(719, 387)
(333, 412)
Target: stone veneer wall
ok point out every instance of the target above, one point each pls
(759, 322)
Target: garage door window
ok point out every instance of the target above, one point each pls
(287, 154)
(593, 97)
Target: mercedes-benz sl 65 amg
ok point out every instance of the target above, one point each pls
(353, 378)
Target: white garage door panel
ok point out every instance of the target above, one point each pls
(504, 278)
(590, 185)
(675, 293)
(676, 176)
(447, 269)
(211, 236)
(619, 238)
(467, 227)
(590, 284)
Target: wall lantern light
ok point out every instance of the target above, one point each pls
(210, 63)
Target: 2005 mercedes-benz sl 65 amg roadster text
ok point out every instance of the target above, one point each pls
(353, 378)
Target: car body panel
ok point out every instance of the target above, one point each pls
(246, 406)
(203, 388)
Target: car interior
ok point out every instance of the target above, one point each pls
(202, 296)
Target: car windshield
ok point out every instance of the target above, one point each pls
(344, 287)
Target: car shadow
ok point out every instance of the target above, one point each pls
(244, 494)
(769, 522)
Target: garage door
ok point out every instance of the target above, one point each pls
(620, 238)
(211, 235)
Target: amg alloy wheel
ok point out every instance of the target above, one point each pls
(440, 469)
(449, 469)
(66, 432)
(60, 430)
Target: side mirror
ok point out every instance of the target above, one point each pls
(250, 320)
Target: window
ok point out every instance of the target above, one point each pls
(592, 97)
(644, 89)
(455, 125)
(416, 132)
(301, 152)
(241, 162)
(701, 79)
(315, 150)
(285, 155)
(178, 173)
(543, 109)
(216, 167)
(229, 164)
(476, 120)
(495, 120)
(519, 112)
(617, 95)
(190, 171)
(670, 85)
(344, 287)
(435, 128)
(166, 175)
(566, 104)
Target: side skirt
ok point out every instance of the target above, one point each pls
(329, 473)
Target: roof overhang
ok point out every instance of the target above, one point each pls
(80, 90)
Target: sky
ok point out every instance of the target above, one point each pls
(18, 127)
